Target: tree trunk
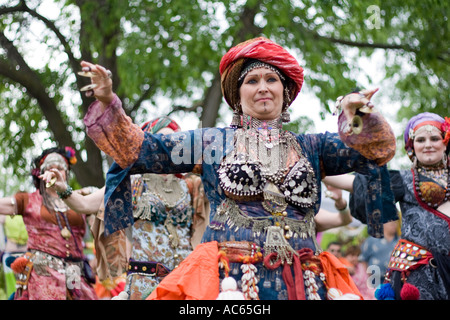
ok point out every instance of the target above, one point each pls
(213, 97)
(211, 103)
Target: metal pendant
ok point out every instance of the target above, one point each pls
(65, 233)
(277, 243)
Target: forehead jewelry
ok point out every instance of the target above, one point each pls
(258, 65)
(427, 128)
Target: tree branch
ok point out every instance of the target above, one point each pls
(73, 62)
(25, 76)
(193, 108)
(375, 45)
(142, 98)
(359, 44)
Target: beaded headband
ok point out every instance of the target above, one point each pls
(426, 125)
(257, 65)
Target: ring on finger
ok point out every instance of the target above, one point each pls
(108, 74)
(367, 108)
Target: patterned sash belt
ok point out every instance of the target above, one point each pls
(149, 268)
(408, 256)
(241, 251)
(249, 254)
(39, 261)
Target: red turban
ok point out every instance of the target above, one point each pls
(264, 50)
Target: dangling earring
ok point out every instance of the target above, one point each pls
(287, 98)
(285, 116)
(410, 154)
(236, 120)
(445, 160)
(237, 111)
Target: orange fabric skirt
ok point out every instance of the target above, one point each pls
(197, 277)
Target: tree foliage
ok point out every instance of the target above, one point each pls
(172, 49)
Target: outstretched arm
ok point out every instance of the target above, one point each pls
(107, 123)
(364, 129)
(326, 219)
(8, 206)
(343, 182)
(82, 204)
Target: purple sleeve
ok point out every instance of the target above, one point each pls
(113, 132)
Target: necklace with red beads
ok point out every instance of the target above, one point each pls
(439, 174)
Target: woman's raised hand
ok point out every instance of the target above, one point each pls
(358, 100)
(101, 83)
(54, 179)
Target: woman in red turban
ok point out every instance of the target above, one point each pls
(265, 51)
(263, 183)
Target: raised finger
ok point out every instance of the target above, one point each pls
(102, 71)
(49, 178)
(368, 93)
(87, 66)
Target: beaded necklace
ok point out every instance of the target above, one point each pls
(66, 231)
(166, 187)
(259, 165)
(57, 206)
(438, 173)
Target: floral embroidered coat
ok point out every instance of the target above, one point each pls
(202, 150)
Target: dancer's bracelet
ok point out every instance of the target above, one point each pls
(65, 194)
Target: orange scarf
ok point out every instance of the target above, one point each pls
(337, 274)
(187, 281)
